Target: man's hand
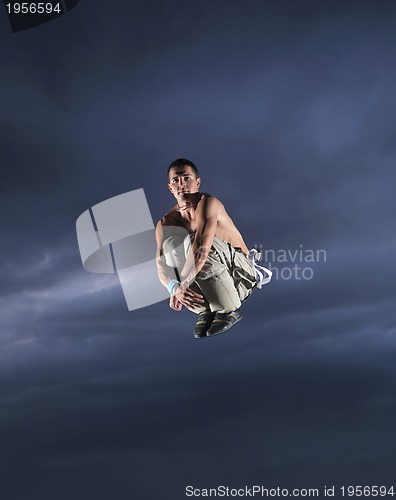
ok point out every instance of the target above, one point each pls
(175, 304)
(188, 297)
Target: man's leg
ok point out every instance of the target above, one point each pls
(227, 277)
(244, 275)
(215, 282)
(220, 292)
(220, 288)
(175, 249)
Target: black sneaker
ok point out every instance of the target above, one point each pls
(204, 321)
(223, 322)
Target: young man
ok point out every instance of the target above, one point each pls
(202, 258)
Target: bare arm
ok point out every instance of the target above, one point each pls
(183, 295)
(207, 216)
(163, 270)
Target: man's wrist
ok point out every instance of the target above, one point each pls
(172, 286)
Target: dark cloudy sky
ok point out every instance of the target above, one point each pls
(289, 110)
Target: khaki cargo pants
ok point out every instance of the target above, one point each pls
(226, 279)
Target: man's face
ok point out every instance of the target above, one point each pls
(182, 182)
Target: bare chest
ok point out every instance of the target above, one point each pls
(189, 223)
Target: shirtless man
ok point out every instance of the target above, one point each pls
(202, 258)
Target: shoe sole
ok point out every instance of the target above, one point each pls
(225, 329)
(200, 336)
(206, 325)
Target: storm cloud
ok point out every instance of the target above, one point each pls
(288, 109)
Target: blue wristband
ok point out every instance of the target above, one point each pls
(171, 286)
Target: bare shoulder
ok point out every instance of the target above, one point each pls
(209, 200)
(169, 219)
(211, 206)
(162, 226)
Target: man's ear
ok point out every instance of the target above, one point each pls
(198, 181)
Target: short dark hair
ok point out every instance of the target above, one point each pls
(183, 162)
